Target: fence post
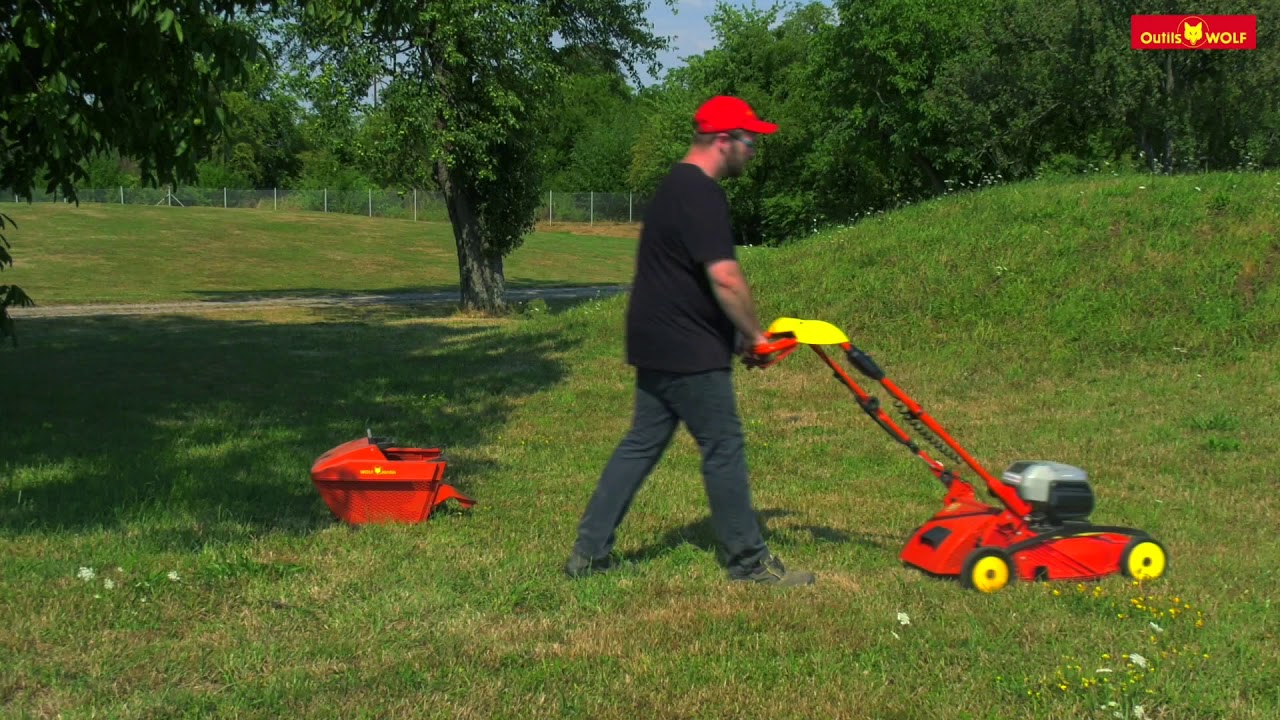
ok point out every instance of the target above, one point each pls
(370, 202)
(274, 201)
(326, 199)
(224, 198)
(550, 203)
(415, 204)
(168, 196)
(121, 194)
(591, 217)
(629, 200)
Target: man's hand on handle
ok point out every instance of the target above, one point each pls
(747, 350)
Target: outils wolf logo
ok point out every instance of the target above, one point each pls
(1193, 31)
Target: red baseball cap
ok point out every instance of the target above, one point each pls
(724, 113)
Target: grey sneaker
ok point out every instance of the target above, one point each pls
(579, 565)
(771, 571)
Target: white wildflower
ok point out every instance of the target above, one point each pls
(86, 574)
(109, 584)
(1138, 660)
(903, 619)
(1156, 627)
(1139, 713)
(173, 575)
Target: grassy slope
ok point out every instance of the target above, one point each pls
(114, 253)
(1097, 346)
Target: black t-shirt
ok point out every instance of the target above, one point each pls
(674, 322)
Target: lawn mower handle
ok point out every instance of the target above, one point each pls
(781, 345)
(768, 354)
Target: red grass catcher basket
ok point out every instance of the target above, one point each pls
(370, 480)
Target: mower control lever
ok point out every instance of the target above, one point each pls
(864, 363)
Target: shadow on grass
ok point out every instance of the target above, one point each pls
(194, 429)
(701, 535)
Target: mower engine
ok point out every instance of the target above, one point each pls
(1057, 493)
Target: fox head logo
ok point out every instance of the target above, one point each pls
(1193, 33)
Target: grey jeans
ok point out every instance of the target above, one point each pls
(705, 403)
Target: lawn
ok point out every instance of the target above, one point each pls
(167, 555)
(102, 253)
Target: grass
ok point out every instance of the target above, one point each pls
(141, 447)
(98, 253)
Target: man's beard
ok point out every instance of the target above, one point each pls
(735, 164)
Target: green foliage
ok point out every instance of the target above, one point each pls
(143, 78)
(591, 129)
(665, 132)
(263, 140)
(109, 170)
(888, 102)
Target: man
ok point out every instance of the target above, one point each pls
(688, 297)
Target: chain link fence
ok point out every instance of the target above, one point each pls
(556, 207)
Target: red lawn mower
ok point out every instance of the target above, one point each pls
(1040, 531)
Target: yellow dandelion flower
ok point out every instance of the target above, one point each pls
(1057, 593)
(1106, 656)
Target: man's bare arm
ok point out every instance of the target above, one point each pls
(730, 287)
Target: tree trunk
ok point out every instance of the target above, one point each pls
(481, 282)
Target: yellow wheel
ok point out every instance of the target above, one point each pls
(1144, 559)
(987, 570)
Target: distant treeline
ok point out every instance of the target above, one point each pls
(880, 102)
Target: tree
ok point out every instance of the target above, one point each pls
(481, 73)
(591, 127)
(82, 77)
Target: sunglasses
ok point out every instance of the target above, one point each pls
(750, 143)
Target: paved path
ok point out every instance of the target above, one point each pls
(432, 298)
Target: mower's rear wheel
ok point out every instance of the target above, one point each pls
(1143, 559)
(987, 570)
